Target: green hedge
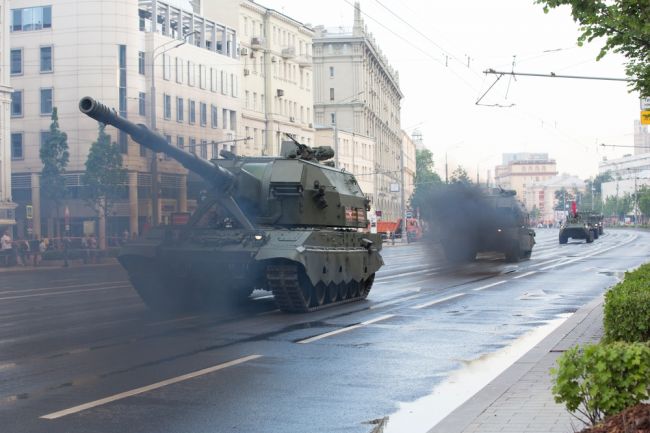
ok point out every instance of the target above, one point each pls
(602, 379)
(627, 308)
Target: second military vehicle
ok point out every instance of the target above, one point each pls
(577, 226)
(482, 220)
(286, 224)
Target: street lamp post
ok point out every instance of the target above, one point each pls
(155, 189)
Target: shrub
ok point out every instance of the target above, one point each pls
(602, 379)
(627, 308)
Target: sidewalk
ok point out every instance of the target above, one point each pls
(520, 399)
(57, 264)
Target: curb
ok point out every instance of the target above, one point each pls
(464, 415)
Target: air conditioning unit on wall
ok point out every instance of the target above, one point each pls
(280, 93)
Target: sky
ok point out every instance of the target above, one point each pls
(429, 42)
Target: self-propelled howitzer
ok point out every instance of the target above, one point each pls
(286, 224)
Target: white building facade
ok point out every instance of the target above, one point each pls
(541, 196)
(276, 66)
(358, 91)
(7, 207)
(70, 49)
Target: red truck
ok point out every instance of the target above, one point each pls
(413, 228)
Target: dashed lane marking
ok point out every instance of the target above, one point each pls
(346, 329)
(524, 275)
(438, 301)
(487, 286)
(143, 389)
(66, 292)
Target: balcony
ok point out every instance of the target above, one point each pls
(289, 52)
(257, 43)
(305, 61)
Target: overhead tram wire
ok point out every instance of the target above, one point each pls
(403, 38)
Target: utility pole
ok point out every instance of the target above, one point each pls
(404, 226)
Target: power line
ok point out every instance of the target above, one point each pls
(554, 75)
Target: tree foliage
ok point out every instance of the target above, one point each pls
(460, 176)
(425, 178)
(104, 178)
(644, 201)
(623, 24)
(54, 156)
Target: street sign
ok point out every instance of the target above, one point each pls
(645, 117)
(645, 104)
(29, 212)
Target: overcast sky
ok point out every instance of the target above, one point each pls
(566, 118)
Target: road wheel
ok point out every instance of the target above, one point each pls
(596, 235)
(527, 254)
(332, 294)
(353, 289)
(590, 237)
(343, 291)
(366, 285)
(514, 255)
(319, 292)
(564, 239)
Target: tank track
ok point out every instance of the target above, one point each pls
(285, 283)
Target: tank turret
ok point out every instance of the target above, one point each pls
(289, 224)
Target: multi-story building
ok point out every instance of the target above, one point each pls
(357, 90)
(6, 205)
(276, 64)
(628, 173)
(541, 195)
(123, 52)
(520, 170)
(641, 138)
(354, 152)
(409, 144)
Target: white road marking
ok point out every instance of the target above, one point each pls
(394, 301)
(547, 262)
(346, 329)
(67, 292)
(600, 251)
(6, 292)
(489, 285)
(524, 275)
(405, 274)
(122, 395)
(438, 301)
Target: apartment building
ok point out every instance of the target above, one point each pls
(121, 52)
(276, 68)
(357, 90)
(520, 170)
(409, 145)
(7, 207)
(641, 138)
(541, 195)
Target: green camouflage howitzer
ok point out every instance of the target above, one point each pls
(289, 224)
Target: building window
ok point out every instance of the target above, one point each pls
(17, 103)
(192, 108)
(122, 75)
(46, 59)
(180, 71)
(46, 100)
(180, 112)
(193, 146)
(331, 71)
(214, 114)
(333, 115)
(233, 120)
(16, 61)
(203, 113)
(224, 118)
(143, 151)
(191, 73)
(204, 149)
(28, 19)
(123, 141)
(168, 138)
(167, 67)
(167, 106)
(17, 145)
(45, 137)
(142, 110)
(331, 93)
(180, 142)
(141, 62)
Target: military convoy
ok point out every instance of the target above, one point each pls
(585, 225)
(285, 224)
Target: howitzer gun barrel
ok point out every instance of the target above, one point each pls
(152, 140)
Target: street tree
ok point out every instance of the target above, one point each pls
(460, 176)
(624, 26)
(54, 156)
(644, 201)
(104, 179)
(562, 197)
(535, 214)
(425, 178)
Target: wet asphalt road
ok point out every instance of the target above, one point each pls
(76, 336)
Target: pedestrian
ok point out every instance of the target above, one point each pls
(85, 245)
(34, 246)
(92, 245)
(125, 236)
(23, 251)
(7, 248)
(66, 248)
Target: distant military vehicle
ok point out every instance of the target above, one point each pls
(488, 220)
(577, 226)
(286, 224)
(596, 221)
